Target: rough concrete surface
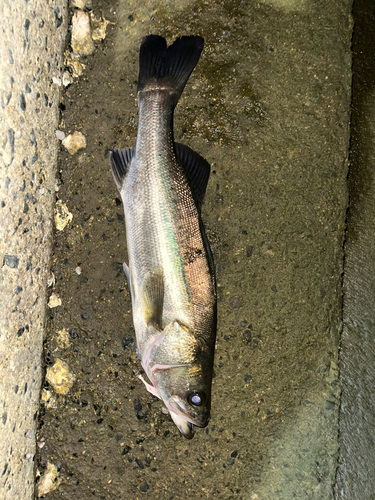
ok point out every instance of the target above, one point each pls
(268, 107)
(31, 41)
(356, 478)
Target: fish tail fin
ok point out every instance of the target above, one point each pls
(162, 68)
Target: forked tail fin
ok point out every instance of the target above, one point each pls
(162, 68)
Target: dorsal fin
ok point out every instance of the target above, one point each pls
(120, 160)
(197, 171)
(153, 297)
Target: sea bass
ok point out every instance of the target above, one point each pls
(170, 272)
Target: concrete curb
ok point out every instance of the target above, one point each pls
(355, 474)
(32, 35)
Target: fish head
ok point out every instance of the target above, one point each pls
(186, 393)
(180, 367)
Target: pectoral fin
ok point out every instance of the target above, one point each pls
(152, 298)
(128, 277)
(126, 271)
(149, 387)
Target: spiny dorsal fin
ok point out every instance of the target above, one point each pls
(197, 171)
(153, 297)
(120, 160)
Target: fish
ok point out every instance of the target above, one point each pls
(170, 272)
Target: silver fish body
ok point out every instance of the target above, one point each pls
(170, 271)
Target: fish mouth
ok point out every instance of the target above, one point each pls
(186, 428)
(184, 422)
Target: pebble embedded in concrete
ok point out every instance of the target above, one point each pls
(72, 62)
(54, 300)
(51, 280)
(81, 4)
(56, 80)
(62, 216)
(60, 377)
(99, 26)
(60, 135)
(48, 482)
(63, 338)
(49, 401)
(67, 79)
(45, 395)
(74, 142)
(82, 43)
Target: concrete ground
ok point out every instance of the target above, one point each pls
(268, 106)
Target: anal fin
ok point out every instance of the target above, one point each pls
(149, 387)
(126, 271)
(128, 277)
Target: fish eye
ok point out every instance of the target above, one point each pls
(196, 398)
